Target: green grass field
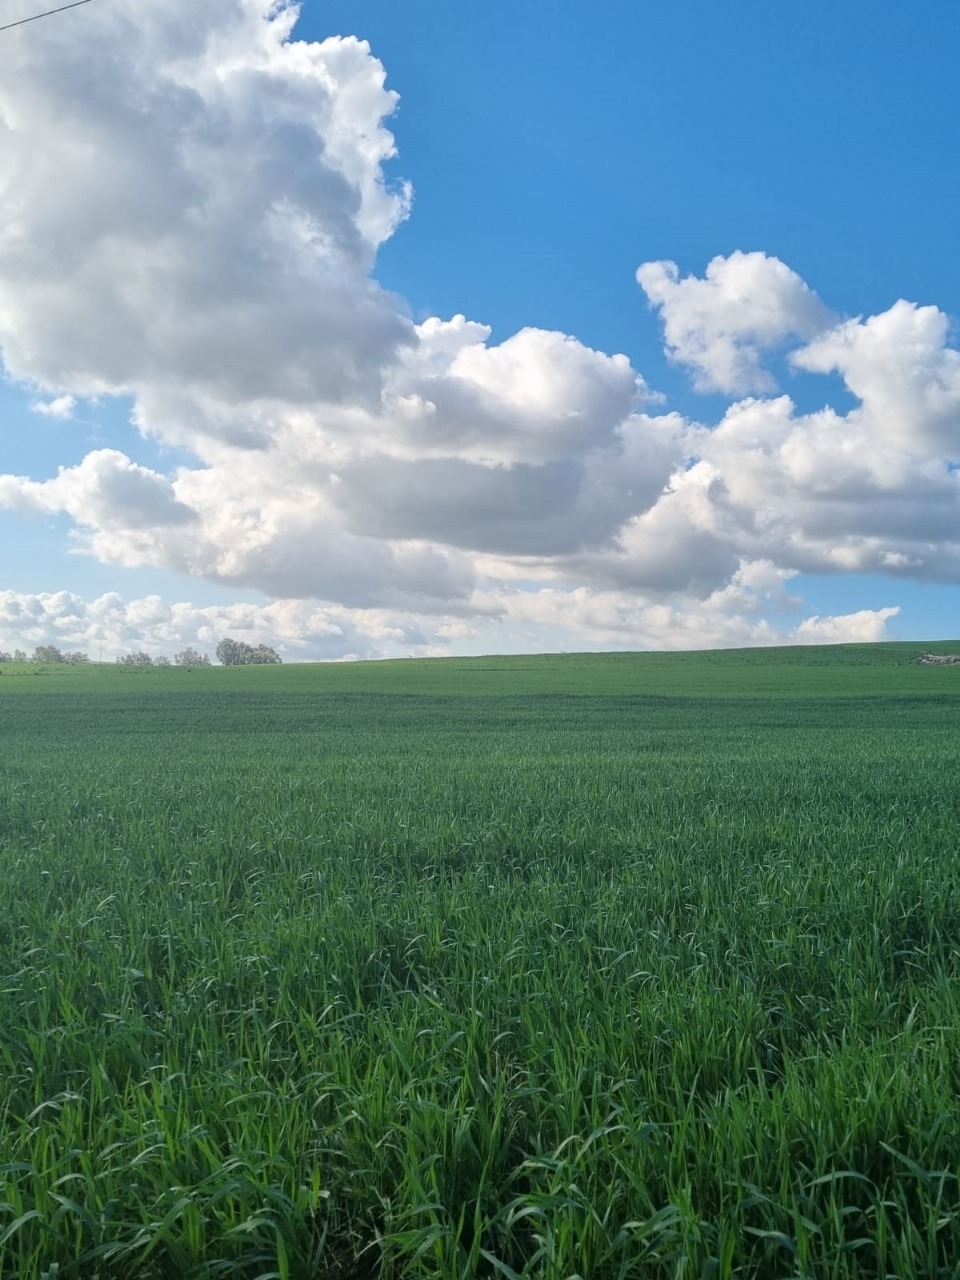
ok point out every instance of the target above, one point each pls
(609, 966)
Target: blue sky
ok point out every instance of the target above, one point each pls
(553, 147)
(225, 251)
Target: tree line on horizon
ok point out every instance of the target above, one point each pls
(229, 653)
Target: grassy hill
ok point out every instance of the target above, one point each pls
(608, 966)
(794, 671)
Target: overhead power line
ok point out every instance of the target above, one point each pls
(33, 17)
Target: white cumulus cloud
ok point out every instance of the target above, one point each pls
(109, 626)
(112, 626)
(720, 325)
(193, 203)
(59, 407)
(210, 191)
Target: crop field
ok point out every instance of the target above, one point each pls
(610, 967)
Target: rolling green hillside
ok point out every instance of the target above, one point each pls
(608, 966)
(797, 671)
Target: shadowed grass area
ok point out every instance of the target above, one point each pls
(574, 966)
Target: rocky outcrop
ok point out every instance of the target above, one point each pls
(939, 659)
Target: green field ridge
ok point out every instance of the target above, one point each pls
(609, 966)
(795, 670)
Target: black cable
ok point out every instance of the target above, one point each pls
(76, 4)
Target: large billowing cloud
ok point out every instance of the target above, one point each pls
(193, 202)
(190, 199)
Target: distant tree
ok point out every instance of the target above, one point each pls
(233, 653)
(76, 658)
(136, 659)
(45, 653)
(19, 655)
(161, 660)
(263, 655)
(190, 657)
(237, 653)
(5, 657)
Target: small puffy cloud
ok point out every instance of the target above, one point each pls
(757, 585)
(901, 368)
(866, 625)
(720, 325)
(59, 407)
(105, 492)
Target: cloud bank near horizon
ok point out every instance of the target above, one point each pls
(303, 630)
(394, 486)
